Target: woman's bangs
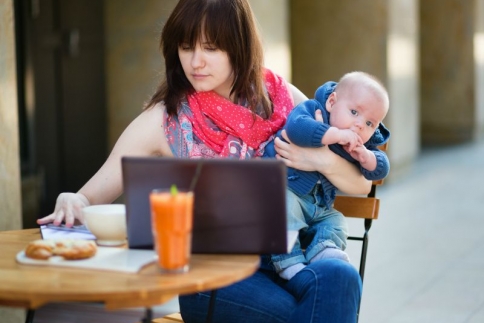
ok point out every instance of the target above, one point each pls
(189, 32)
(217, 29)
(210, 21)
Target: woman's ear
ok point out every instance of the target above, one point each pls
(331, 101)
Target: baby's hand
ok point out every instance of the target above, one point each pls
(349, 139)
(318, 115)
(360, 153)
(366, 157)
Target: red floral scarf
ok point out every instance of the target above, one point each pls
(233, 120)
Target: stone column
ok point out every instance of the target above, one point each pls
(403, 84)
(10, 206)
(448, 92)
(330, 38)
(479, 58)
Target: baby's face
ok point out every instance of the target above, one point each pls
(359, 110)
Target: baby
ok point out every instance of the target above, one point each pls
(351, 111)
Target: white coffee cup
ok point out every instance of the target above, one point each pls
(107, 222)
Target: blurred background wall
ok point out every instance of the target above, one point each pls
(74, 73)
(90, 65)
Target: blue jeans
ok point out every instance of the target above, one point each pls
(327, 291)
(318, 226)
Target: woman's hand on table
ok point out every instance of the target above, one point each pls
(68, 208)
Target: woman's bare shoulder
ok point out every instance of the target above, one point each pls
(154, 112)
(147, 133)
(297, 95)
(154, 116)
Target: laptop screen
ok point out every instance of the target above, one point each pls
(239, 204)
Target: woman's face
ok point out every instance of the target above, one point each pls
(207, 68)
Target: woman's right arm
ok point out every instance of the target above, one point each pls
(143, 137)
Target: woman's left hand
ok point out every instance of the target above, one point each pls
(302, 158)
(344, 175)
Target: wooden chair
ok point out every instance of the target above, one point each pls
(366, 208)
(361, 207)
(172, 318)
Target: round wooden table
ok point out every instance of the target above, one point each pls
(33, 286)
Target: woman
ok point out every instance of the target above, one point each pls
(215, 80)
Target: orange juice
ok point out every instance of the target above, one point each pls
(171, 221)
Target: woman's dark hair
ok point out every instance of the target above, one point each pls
(230, 26)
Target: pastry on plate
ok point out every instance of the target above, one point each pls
(69, 249)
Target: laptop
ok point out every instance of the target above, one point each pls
(239, 208)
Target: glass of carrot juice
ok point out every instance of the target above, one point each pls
(172, 222)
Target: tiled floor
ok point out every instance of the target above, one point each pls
(426, 255)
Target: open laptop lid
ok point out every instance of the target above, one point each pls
(240, 205)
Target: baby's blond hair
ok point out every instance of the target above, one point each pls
(370, 82)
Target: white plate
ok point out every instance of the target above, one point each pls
(114, 259)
